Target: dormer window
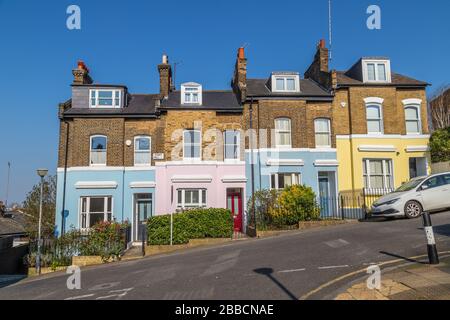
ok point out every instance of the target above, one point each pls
(191, 93)
(104, 98)
(377, 71)
(285, 82)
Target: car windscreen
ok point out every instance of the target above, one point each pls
(410, 185)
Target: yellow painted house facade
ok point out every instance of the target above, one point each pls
(381, 128)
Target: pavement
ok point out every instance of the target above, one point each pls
(309, 264)
(414, 281)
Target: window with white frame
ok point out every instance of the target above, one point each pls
(98, 150)
(104, 98)
(280, 181)
(283, 133)
(374, 118)
(94, 210)
(142, 151)
(376, 71)
(191, 198)
(285, 82)
(412, 119)
(322, 130)
(231, 144)
(378, 174)
(192, 144)
(191, 93)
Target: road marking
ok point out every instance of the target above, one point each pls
(293, 270)
(337, 243)
(329, 283)
(333, 267)
(80, 297)
(118, 294)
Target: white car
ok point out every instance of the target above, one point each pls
(421, 194)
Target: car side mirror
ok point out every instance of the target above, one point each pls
(424, 187)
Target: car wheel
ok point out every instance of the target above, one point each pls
(413, 209)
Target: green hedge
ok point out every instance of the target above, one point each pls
(192, 224)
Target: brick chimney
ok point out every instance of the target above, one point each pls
(319, 69)
(81, 74)
(165, 77)
(239, 82)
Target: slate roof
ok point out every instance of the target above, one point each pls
(219, 100)
(138, 105)
(14, 224)
(398, 80)
(308, 89)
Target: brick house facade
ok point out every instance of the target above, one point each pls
(129, 156)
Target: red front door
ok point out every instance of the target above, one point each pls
(234, 204)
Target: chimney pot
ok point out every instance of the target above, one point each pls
(241, 53)
(322, 43)
(165, 59)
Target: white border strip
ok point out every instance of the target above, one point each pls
(96, 185)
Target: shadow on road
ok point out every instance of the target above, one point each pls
(9, 280)
(443, 230)
(268, 272)
(401, 257)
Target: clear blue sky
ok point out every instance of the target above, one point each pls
(122, 42)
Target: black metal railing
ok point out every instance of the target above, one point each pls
(59, 251)
(350, 206)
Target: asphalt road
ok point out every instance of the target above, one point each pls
(284, 267)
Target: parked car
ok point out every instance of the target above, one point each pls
(421, 194)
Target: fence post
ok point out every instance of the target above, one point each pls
(342, 208)
(365, 204)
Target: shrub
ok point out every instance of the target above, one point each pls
(191, 224)
(294, 204)
(265, 202)
(105, 239)
(440, 145)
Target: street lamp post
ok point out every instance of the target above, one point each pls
(41, 173)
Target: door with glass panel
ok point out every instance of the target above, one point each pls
(324, 195)
(143, 211)
(234, 204)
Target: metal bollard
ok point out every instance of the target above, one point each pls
(431, 243)
(143, 236)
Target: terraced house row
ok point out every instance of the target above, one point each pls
(127, 156)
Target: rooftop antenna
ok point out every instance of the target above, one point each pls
(330, 31)
(7, 185)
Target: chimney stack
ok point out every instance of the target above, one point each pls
(239, 82)
(165, 77)
(81, 74)
(319, 69)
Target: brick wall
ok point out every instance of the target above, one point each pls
(177, 120)
(354, 112)
(301, 113)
